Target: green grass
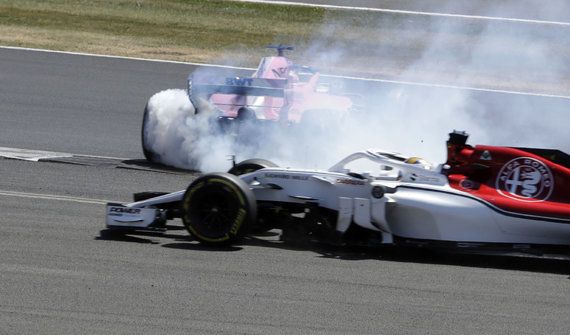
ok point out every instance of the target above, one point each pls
(184, 30)
(189, 30)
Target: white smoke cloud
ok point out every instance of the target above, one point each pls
(412, 120)
(502, 55)
(189, 140)
(180, 137)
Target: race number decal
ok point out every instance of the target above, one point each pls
(525, 179)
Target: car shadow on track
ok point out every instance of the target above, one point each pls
(144, 165)
(516, 262)
(145, 237)
(200, 247)
(272, 239)
(186, 242)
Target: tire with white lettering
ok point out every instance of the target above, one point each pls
(250, 165)
(218, 209)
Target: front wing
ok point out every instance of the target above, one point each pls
(124, 217)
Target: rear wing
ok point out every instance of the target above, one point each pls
(203, 87)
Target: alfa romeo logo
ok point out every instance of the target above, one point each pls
(525, 179)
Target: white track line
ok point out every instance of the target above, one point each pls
(30, 155)
(36, 155)
(124, 57)
(466, 88)
(408, 12)
(53, 197)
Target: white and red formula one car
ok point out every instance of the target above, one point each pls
(483, 196)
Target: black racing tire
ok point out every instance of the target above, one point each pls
(150, 155)
(218, 209)
(245, 114)
(250, 165)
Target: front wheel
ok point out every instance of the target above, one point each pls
(218, 208)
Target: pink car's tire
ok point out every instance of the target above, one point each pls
(150, 155)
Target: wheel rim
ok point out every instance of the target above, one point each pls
(214, 212)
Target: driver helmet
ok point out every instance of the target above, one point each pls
(420, 162)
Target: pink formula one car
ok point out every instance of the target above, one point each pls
(279, 93)
(277, 90)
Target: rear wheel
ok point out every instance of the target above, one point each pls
(150, 155)
(218, 208)
(245, 114)
(250, 165)
(167, 123)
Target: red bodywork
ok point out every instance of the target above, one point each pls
(520, 180)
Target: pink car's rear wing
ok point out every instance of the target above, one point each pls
(204, 86)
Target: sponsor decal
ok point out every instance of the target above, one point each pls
(125, 210)
(468, 184)
(349, 181)
(486, 156)
(277, 175)
(237, 81)
(286, 176)
(525, 179)
(422, 178)
(238, 221)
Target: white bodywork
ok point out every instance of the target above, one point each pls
(398, 200)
